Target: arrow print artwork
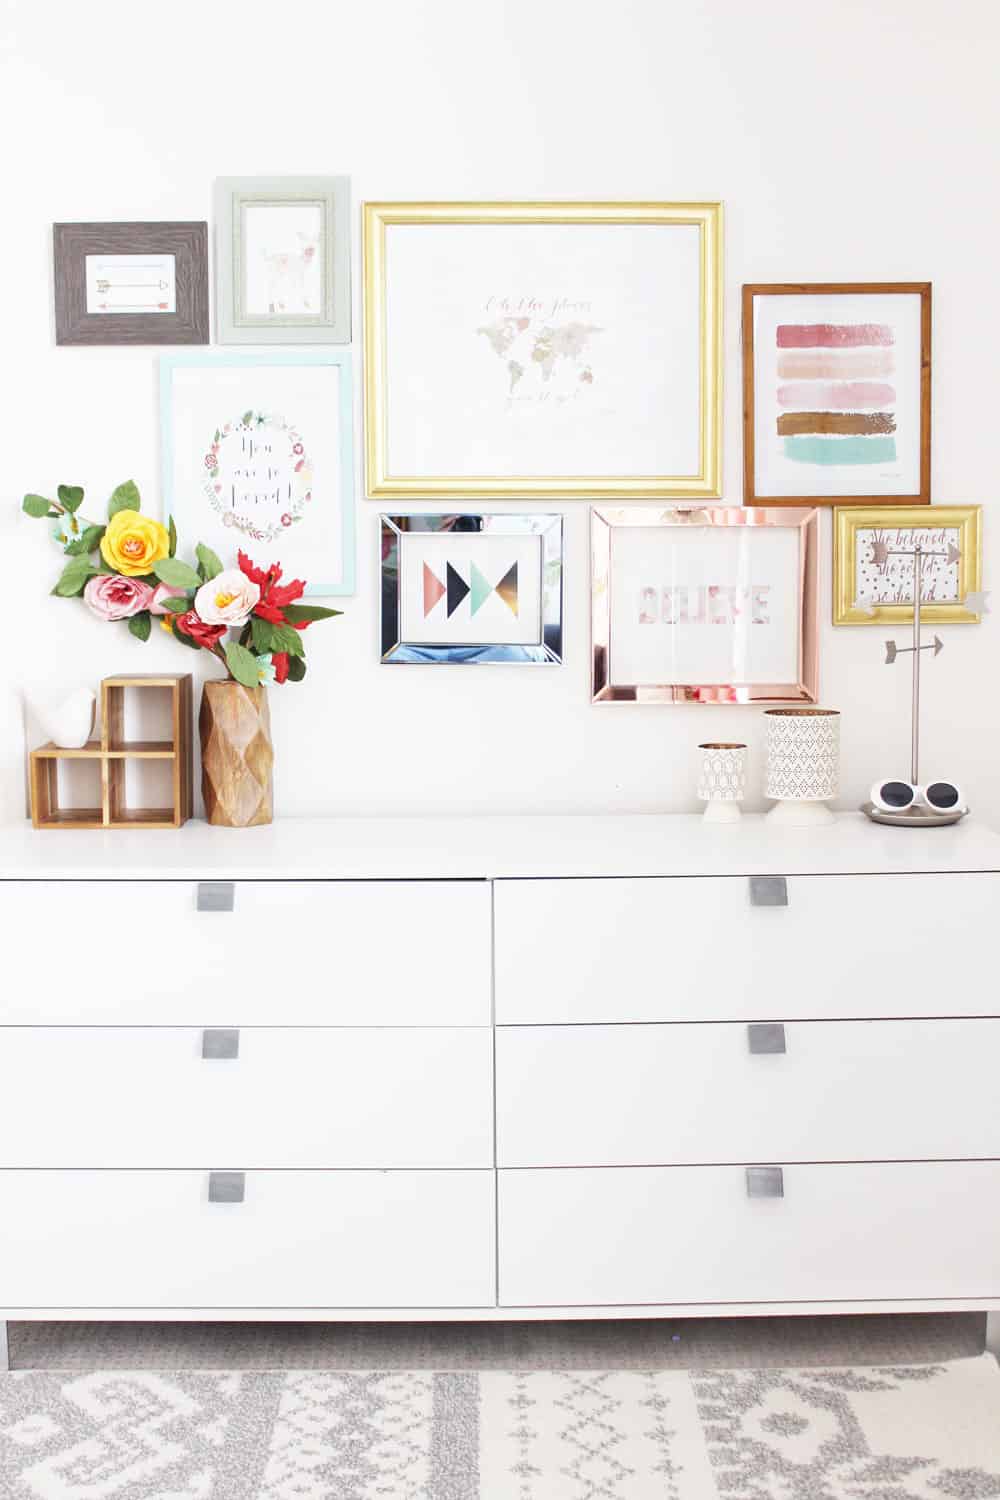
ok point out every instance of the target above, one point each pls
(472, 588)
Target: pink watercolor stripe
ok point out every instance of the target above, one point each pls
(833, 335)
(835, 364)
(837, 395)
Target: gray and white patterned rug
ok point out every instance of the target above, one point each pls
(919, 1432)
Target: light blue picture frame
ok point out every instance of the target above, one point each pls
(306, 359)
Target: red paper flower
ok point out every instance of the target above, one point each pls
(273, 595)
(206, 635)
(260, 576)
(279, 661)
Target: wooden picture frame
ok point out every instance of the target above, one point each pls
(704, 604)
(509, 346)
(92, 307)
(306, 253)
(951, 529)
(880, 426)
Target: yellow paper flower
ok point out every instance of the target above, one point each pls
(133, 543)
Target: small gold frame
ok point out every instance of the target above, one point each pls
(849, 520)
(382, 485)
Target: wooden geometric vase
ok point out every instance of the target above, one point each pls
(236, 755)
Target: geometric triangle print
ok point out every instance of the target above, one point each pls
(433, 590)
(481, 590)
(507, 589)
(457, 589)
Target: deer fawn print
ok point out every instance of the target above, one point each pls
(291, 276)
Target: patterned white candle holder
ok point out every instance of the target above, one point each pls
(722, 781)
(803, 764)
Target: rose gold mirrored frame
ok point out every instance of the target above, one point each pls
(804, 520)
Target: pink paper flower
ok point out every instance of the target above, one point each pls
(110, 596)
(161, 592)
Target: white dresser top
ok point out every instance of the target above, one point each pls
(477, 848)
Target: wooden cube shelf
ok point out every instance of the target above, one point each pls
(113, 752)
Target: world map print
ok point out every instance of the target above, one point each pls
(542, 354)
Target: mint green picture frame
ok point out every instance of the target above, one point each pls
(307, 359)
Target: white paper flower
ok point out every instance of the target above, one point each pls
(227, 599)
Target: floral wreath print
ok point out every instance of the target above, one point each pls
(253, 421)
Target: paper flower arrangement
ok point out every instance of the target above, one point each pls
(126, 569)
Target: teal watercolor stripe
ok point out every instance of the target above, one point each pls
(841, 450)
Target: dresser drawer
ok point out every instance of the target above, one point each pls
(698, 949)
(302, 953)
(332, 1097)
(841, 1091)
(299, 1239)
(691, 1234)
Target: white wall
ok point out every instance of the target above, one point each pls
(851, 142)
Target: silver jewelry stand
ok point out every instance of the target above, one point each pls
(914, 817)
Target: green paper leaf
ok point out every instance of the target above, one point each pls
(87, 542)
(125, 497)
(172, 534)
(296, 669)
(246, 418)
(179, 575)
(209, 565)
(37, 506)
(70, 496)
(175, 606)
(140, 625)
(287, 638)
(307, 612)
(243, 664)
(73, 577)
(263, 635)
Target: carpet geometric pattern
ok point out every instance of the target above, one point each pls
(919, 1432)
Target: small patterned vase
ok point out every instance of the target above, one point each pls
(722, 782)
(803, 764)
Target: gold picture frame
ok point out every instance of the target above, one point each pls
(849, 521)
(705, 481)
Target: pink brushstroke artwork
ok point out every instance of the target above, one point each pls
(833, 335)
(835, 364)
(841, 395)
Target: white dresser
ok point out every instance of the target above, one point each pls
(499, 1068)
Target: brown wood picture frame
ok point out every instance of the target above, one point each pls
(920, 496)
(186, 242)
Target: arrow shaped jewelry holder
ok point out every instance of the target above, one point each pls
(915, 816)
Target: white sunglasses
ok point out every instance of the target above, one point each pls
(898, 796)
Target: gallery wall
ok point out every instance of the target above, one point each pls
(848, 145)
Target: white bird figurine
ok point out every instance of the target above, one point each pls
(68, 723)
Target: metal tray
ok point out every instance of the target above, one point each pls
(912, 817)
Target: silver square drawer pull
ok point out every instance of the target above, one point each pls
(762, 1036)
(768, 890)
(216, 895)
(765, 1182)
(227, 1187)
(225, 1043)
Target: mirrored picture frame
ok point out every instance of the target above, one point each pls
(471, 589)
(695, 604)
(283, 260)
